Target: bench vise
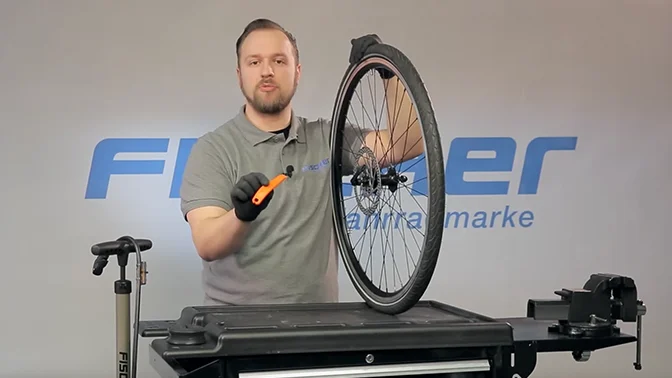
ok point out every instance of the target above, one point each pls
(593, 310)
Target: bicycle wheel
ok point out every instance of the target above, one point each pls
(364, 194)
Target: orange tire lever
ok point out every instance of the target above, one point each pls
(263, 192)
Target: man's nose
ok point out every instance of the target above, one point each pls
(266, 69)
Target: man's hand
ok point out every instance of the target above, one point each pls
(242, 195)
(359, 48)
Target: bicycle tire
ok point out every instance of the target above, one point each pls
(407, 297)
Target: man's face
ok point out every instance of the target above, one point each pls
(268, 73)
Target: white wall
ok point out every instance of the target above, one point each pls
(75, 72)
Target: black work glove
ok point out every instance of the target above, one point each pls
(242, 195)
(359, 48)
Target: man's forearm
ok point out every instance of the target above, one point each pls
(403, 125)
(216, 238)
(402, 139)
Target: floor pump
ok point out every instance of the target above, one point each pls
(126, 363)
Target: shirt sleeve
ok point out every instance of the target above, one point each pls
(207, 179)
(353, 137)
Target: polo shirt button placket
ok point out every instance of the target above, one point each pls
(282, 155)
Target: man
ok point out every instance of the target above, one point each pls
(282, 250)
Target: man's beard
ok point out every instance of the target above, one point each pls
(270, 107)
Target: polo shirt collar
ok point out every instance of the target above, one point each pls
(256, 136)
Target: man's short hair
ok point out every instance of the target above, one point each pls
(264, 23)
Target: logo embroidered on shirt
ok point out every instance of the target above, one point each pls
(316, 167)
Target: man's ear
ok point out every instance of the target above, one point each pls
(298, 72)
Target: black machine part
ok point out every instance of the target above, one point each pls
(593, 310)
(210, 340)
(581, 321)
(121, 248)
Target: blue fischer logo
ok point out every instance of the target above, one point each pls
(316, 167)
(459, 164)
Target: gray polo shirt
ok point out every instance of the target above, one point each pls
(289, 256)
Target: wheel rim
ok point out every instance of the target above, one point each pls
(374, 201)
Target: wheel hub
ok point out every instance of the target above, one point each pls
(368, 181)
